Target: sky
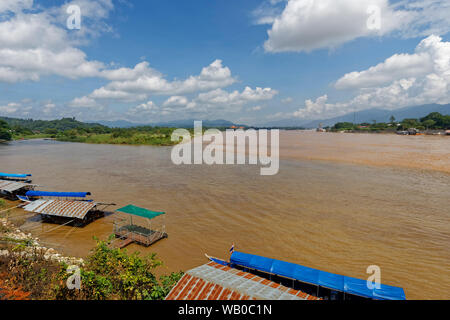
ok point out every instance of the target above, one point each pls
(249, 61)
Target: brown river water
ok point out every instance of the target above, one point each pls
(340, 203)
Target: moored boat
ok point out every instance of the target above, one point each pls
(324, 285)
(33, 195)
(25, 178)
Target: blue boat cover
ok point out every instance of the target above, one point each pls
(316, 277)
(57, 194)
(10, 175)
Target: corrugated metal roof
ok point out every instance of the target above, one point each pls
(213, 281)
(69, 209)
(11, 186)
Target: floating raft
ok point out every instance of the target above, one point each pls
(132, 232)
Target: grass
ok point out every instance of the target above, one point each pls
(152, 139)
(32, 136)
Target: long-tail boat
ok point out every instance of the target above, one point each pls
(322, 284)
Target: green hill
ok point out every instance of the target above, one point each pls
(41, 126)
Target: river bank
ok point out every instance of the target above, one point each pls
(29, 270)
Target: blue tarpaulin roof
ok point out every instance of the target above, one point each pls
(316, 277)
(11, 175)
(57, 194)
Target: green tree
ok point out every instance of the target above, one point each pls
(5, 131)
(429, 123)
(410, 123)
(392, 119)
(343, 126)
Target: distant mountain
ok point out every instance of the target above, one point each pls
(189, 123)
(120, 124)
(379, 115)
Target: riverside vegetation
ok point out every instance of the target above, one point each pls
(71, 130)
(31, 271)
(433, 121)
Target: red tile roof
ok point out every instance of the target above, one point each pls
(213, 281)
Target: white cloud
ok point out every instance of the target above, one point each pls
(176, 101)
(15, 5)
(223, 98)
(49, 107)
(152, 82)
(431, 55)
(402, 80)
(10, 108)
(139, 83)
(143, 109)
(32, 45)
(84, 102)
(287, 100)
(306, 25)
(212, 102)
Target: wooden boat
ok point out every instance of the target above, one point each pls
(33, 195)
(25, 178)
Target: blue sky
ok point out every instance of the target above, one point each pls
(246, 61)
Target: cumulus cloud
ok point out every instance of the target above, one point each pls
(32, 46)
(144, 109)
(402, 80)
(15, 5)
(84, 102)
(306, 25)
(151, 82)
(222, 98)
(431, 55)
(176, 101)
(217, 100)
(10, 108)
(140, 82)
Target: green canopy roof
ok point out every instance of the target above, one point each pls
(141, 212)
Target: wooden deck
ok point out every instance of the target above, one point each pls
(124, 243)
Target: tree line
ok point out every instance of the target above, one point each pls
(433, 121)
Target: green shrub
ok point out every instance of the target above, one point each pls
(115, 274)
